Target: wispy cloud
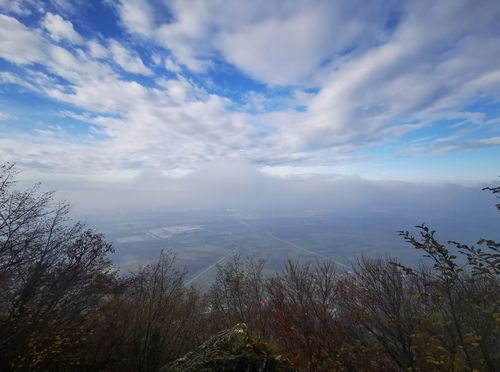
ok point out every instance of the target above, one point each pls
(4, 116)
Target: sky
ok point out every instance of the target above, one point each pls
(97, 93)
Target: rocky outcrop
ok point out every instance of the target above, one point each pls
(231, 350)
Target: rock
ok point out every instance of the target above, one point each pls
(231, 350)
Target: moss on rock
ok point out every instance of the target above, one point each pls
(231, 350)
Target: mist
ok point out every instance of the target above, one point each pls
(465, 210)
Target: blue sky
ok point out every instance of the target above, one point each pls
(107, 90)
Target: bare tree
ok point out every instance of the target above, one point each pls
(162, 318)
(53, 276)
(238, 295)
(305, 313)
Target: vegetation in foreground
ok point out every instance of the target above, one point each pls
(64, 307)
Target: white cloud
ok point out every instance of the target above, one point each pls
(127, 60)
(291, 44)
(14, 6)
(60, 29)
(171, 65)
(278, 43)
(136, 16)
(287, 49)
(175, 124)
(67, 6)
(167, 63)
(21, 7)
(412, 77)
(18, 44)
(157, 59)
(97, 50)
(388, 85)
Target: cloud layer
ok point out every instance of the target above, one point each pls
(283, 85)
